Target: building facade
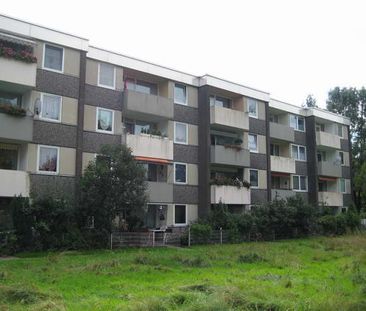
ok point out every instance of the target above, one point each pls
(202, 139)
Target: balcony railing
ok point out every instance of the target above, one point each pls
(283, 164)
(147, 145)
(230, 156)
(229, 118)
(21, 74)
(16, 127)
(328, 168)
(160, 192)
(282, 132)
(328, 140)
(137, 104)
(331, 198)
(14, 183)
(229, 195)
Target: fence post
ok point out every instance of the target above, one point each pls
(220, 235)
(189, 236)
(111, 240)
(153, 237)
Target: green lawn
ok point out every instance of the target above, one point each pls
(310, 274)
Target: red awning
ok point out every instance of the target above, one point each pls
(323, 178)
(152, 160)
(279, 174)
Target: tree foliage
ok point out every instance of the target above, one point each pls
(113, 185)
(310, 101)
(351, 102)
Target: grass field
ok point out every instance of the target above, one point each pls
(311, 274)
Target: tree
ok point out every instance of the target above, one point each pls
(310, 101)
(113, 185)
(351, 103)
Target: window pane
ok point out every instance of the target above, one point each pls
(303, 182)
(106, 75)
(51, 107)
(295, 153)
(253, 178)
(342, 185)
(340, 130)
(180, 173)
(10, 99)
(8, 159)
(53, 57)
(293, 121)
(212, 101)
(302, 153)
(300, 124)
(181, 133)
(141, 127)
(180, 94)
(145, 87)
(152, 172)
(252, 107)
(252, 142)
(180, 214)
(105, 120)
(47, 159)
(341, 157)
(223, 102)
(295, 182)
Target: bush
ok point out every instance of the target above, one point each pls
(201, 232)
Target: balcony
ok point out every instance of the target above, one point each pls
(138, 104)
(228, 118)
(160, 192)
(283, 164)
(328, 168)
(20, 74)
(328, 140)
(282, 193)
(145, 145)
(229, 195)
(230, 156)
(282, 132)
(18, 128)
(14, 183)
(331, 198)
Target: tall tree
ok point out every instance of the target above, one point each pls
(113, 185)
(310, 101)
(351, 102)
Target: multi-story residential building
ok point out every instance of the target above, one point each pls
(200, 138)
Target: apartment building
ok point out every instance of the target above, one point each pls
(202, 139)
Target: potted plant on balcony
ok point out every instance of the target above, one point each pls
(17, 51)
(15, 111)
(235, 145)
(227, 181)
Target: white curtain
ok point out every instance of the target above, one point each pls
(105, 120)
(51, 107)
(48, 159)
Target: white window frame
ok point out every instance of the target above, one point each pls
(254, 187)
(256, 150)
(306, 183)
(298, 152)
(179, 142)
(96, 121)
(256, 108)
(114, 77)
(58, 160)
(339, 185)
(63, 58)
(297, 122)
(180, 224)
(186, 101)
(186, 166)
(60, 112)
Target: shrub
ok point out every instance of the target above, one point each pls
(201, 232)
(250, 258)
(328, 224)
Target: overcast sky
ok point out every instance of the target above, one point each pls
(288, 48)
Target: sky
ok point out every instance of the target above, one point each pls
(287, 48)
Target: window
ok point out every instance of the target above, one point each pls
(220, 102)
(51, 107)
(275, 150)
(180, 94)
(341, 157)
(252, 108)
(181, 133)
(342, 185)
(322, 156)
(10, 99)
(141, 86)
(322, 186)
(299, 183)
(106, 75)
(252, 143)
(180, 214)
(253, 175)
(319, 127)
(105, 120)
(273, 118)
(53, 58)
(48, 158)
(156, 172)
(340, 130)
(298, 152)
(180, 173)
(297, 123)
(8, 157)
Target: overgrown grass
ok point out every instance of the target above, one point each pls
(310, 274)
